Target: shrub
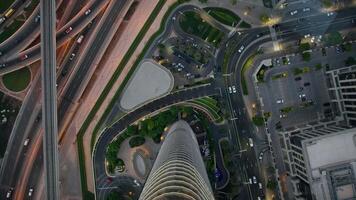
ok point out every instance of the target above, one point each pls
(136, 141)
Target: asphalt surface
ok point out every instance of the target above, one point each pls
(50, 139)
(27, 121)
(110, 133)
(77, 23)
(244, 128)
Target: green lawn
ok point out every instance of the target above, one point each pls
(14, 26)
(18, 80)
(193, 24)
(223, 15)
(4, 5)
(245, 25)
(211, 105)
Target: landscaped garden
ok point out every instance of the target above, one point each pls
(192, 23)
(211, 105)
(18, 80)
(223, 15)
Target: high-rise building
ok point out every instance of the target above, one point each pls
(321, 159)
(342, 90)
(179, 171)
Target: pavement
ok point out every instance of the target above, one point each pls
(149, 81)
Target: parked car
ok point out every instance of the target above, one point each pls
(307, 9)
(280, 101)
(293, 12)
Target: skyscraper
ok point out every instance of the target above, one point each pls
(179, 171)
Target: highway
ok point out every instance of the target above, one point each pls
(77, 23)
(78, 79)
(49, 95)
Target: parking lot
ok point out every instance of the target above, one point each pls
(295, 99)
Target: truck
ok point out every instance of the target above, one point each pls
(9, 12)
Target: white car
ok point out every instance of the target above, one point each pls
(230, 90)
(254, 180)
(293, 12)
(87, 12)
(80, 39)
(72, 56)
(306, 9)
(233, 89)
(2, 19)
(30, 192)
(261, 156)
(302, 95)
(280, 101)
(260, 186)
(329, 14)
(241, 49)
(250, 141)
(250, 181)
(26, 142)
(282, 116)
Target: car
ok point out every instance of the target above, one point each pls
(258, 198)
(282, 116)
(30, 192)
(330, 14)
(250, 181)
(254, 179)
(136, 182)
(298, 78)
(241, 49)
(233, 89)
(250, 141)
(2, 19)
(87, 12)
(64, 72)
(280, 101)
(72, 56)
(80, 39)
(293, 12)
(323, 51)
(301, 95)
(2, 65)
(306, 84)
(307, 35)
(24, 57)
(9, 193)
(37, 18)
(260, 186)
(26, 142)
(230, 90)
(69, 30)
(261, 156)
(307, 9)
(338, 49)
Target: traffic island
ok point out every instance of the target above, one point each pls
(15, 83)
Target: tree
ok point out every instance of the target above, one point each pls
(264, 18)
(350, 61)
(233, 2)
(258, 120)
(114, 196)
(304, 47)
(306, 56)
(334, 38)
(272, 184)
(347, 47)
(136, 141)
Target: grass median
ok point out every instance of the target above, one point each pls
(247, 65)
(112, 81)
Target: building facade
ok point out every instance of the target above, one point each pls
(179, 171)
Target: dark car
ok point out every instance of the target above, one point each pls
(298, 78)
(306, 84)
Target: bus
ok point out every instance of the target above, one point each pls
(9, 13)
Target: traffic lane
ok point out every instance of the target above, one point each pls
(108, 135)
(35, 175)
(86, 63)
(16, 62)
